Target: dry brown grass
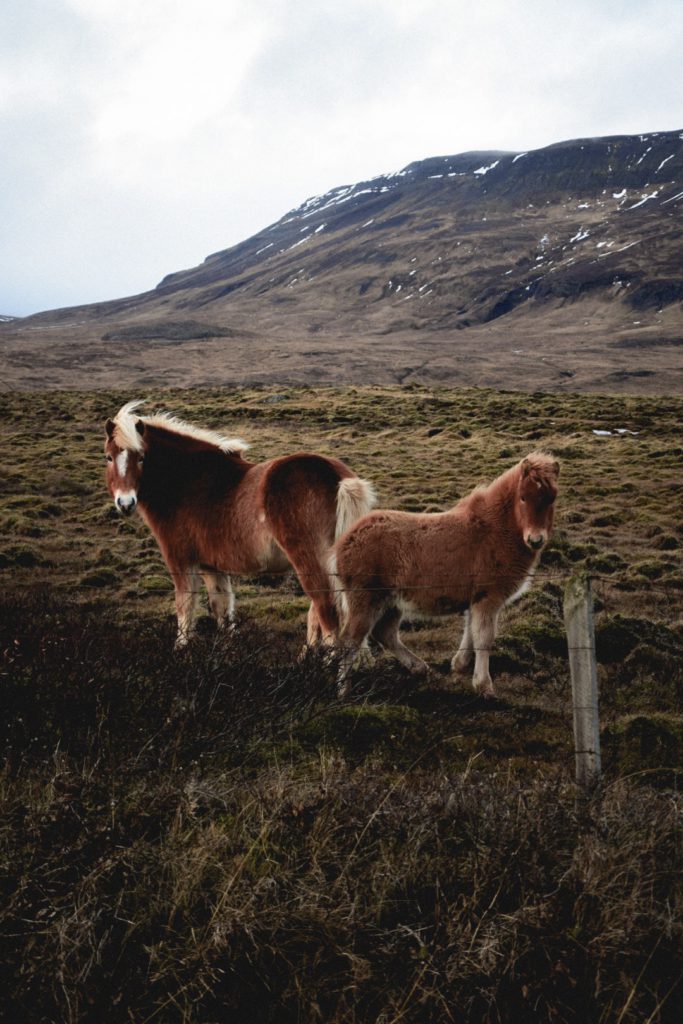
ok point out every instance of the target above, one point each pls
(213, 837)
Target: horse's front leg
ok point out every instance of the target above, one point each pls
(483, 625)
(186, 583)
(221, 597)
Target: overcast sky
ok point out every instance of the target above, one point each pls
(139, 136)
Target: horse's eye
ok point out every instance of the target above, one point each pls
(522, 499)
(141, 459)
(109, 458)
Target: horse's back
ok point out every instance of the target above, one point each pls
(426, 559)
(305, 468)
(385, 543)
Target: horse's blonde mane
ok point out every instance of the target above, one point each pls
(127, 435)
(541, 463)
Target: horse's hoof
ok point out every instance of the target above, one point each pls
(486, 692)
(366, 659)
(344, 689)
(460, 665)
(301, 656)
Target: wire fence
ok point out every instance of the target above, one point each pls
(288, 586)
(431, 582)
(553, 660)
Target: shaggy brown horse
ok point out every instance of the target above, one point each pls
(475, 558)
(213, 513)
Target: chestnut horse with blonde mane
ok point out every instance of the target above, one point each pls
(213, 513)
(475, 558)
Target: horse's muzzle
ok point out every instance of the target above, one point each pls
(126, 505)
(536, 543)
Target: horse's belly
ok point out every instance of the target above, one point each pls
(446, 604)
(274, 559)
(246, 559)
(423, 604)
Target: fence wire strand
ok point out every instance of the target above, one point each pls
(436, 582)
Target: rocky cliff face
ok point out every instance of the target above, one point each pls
(577, 242)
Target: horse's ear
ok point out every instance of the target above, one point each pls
(526, 467)
(556, 468)
(109, 427)
(140, 427)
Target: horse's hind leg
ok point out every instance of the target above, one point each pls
(313, 630)
(360, 619)
(386, 632)
(186, 592)
(462, 659)
(372, 614)
(323, 619)
(221, 597)
(300, 509)
(484, 622)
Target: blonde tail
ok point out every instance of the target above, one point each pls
(355, 497)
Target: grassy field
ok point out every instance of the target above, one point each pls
(216, 837)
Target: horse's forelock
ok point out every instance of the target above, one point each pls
(126, 434)
(541, 467)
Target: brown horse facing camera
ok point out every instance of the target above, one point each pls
(213, 513)
(475, 558)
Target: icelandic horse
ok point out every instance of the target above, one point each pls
(474, 558)
(213, 513)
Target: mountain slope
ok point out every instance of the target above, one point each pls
(561, 267)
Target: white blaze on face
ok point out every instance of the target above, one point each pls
(123, 499)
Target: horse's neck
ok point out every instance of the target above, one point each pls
(493, 504)
(481, 501)
(173, 472)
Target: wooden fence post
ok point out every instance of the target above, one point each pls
(578, 618)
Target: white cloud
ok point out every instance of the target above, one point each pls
(139, 137)
(177, 77)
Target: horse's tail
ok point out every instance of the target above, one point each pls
(355, 497)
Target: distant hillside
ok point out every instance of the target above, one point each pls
(560, 267)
